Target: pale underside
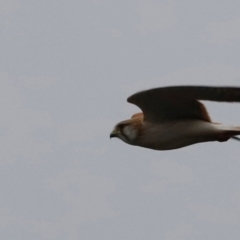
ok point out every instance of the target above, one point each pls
(173, 117)
(178, 134)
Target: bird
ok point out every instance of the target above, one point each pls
(173, 117)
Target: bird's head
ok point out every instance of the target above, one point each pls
(127, 131)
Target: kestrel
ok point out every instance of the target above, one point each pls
(172, 117)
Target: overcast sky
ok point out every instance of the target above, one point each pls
(66, 69)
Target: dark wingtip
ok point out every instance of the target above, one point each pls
(129, 99)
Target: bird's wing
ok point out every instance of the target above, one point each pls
(181, 102)
(137, 115)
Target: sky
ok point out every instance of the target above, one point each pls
(66, 70)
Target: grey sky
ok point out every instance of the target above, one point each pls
(66, 69)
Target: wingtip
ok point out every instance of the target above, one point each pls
(130, 98)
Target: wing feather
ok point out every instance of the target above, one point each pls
(168, 103)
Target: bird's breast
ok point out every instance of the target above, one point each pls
(176, 134)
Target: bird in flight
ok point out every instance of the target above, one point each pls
(173, 117)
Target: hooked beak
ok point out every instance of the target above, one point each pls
(114, 133)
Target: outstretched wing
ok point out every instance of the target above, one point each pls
(181, 102)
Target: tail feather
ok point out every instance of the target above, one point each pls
(235, 138)
(228, 132)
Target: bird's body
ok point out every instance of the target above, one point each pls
(173, 118)
(179, 134)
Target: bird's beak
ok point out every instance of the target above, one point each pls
(114, 133)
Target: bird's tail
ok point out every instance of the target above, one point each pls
(228, 132)
(235, 138)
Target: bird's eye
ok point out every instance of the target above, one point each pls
(121, 126)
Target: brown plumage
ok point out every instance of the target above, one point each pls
(172, 117)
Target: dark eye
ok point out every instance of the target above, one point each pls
(121, 126)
